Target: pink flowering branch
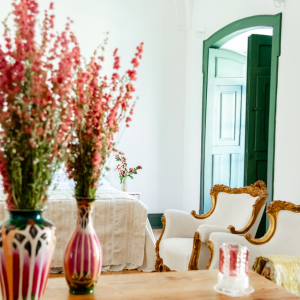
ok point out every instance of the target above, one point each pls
(37, 109)
(123, 170)
(101, 104)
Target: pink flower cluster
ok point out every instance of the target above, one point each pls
(5, 178)
(51, 106)
(35, 84)
(122, 168)
(101, 104)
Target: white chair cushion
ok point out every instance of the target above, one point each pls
(206, 229)
(176, 252)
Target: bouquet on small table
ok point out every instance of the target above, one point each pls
(125, 172)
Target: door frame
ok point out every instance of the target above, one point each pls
(217, 40)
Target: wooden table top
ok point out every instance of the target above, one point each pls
(170, 285)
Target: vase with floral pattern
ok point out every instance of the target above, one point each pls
(83, 255)
(27, 243)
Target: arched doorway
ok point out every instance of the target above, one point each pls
(210, 47)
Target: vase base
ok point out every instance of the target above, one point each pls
(81, 291)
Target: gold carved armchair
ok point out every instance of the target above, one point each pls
(282, 237)
(183, 244)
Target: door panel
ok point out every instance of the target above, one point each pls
(225, 117)
(228, 68)
(258, 100)
(228, 115)
(261, 166)
(262, 113)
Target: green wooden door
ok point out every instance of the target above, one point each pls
(257, 113)
(225, 121)
(258, 101)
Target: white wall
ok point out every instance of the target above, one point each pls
(212, 15)
(155, 137)
(165, 135)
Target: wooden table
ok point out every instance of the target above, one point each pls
(171, 285)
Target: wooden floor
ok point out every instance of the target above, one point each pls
(156, 232)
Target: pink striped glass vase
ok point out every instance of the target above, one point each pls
(83, 255)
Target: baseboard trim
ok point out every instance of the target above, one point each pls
(155, 221)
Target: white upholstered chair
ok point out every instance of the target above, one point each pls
(183, 242)
(282, 237)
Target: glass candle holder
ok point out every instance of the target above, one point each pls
(233, 279)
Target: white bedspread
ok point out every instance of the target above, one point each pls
(120, 221)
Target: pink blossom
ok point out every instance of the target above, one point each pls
(95, 184)
(89, 131)
(132, 74)
(39, 131)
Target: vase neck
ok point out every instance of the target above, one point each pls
(85, 208)
(25, 215)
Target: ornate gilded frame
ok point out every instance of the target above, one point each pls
(159, 264)
(258, 189)
(272, 212)
(210, 247)
(159, 260)
(193, 263)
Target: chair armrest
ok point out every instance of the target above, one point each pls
(180, 224)
(216, 239)
(176, 223)
(206, 229)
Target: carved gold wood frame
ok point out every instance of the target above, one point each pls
(258, 189)
(159, 264)
(272, 212)
(210, 247)
(159, 261)
(193, 263)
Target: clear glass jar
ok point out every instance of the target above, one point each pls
(233, 279)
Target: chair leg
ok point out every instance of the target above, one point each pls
(193, 264)
(210, 247)
(266, 272)
(167, 269)
(159, 261)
